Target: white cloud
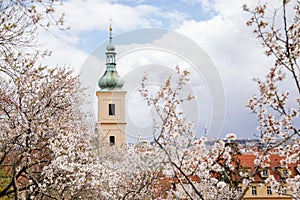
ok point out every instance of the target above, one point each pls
(206, 5)
(237, 55)
(90, 15)
(64, 53)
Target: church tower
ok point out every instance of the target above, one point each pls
(111, 101)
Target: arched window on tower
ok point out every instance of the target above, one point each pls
(111, 140)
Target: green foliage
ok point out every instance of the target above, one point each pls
(5, 179)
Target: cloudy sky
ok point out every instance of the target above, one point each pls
(209, 38)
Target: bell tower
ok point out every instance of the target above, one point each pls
(111, 101)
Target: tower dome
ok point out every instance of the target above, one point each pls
(110, 80)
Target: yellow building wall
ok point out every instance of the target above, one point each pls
(111, 125)
(262, 193)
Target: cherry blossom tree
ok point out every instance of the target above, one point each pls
(38, 105)
(20, 20)
(197, 171)
(47, 146)
(194, 169)
(278, 102)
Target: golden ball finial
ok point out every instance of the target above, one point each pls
(110, 26)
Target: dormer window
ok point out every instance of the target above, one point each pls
(244, 172)
(265, 173)
(285, 172)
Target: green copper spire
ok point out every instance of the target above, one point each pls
(110, 79)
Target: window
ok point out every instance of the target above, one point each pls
(254, 190)
(283, 190)
(111, 109)
(239, 189)
(245, 172)
(111, 140)
(173, 185)
(269, 190)
(265, 172)
(285, 172)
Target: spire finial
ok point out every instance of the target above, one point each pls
(110, 46)
(110, 27)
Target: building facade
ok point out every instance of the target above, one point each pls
(260, 190)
